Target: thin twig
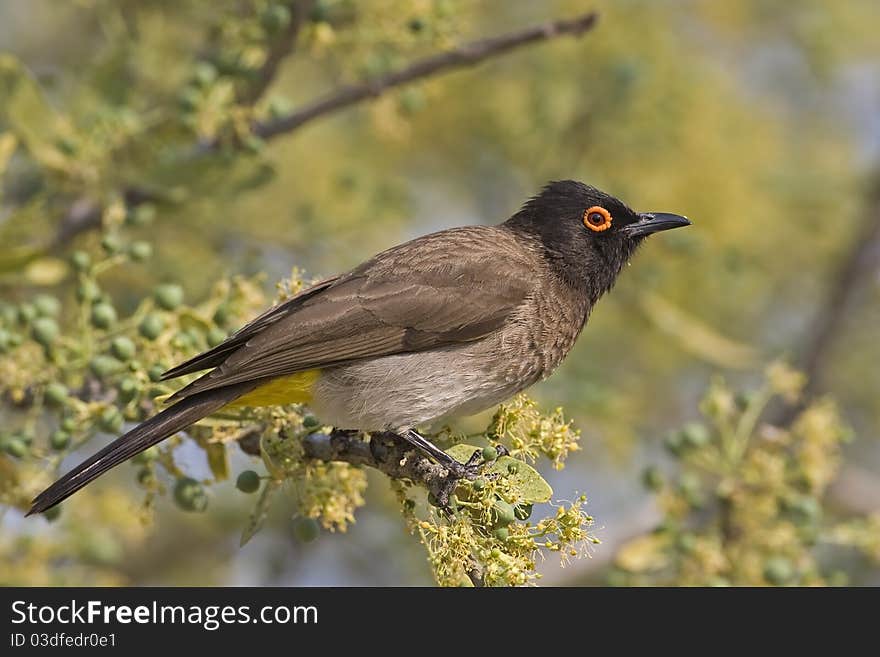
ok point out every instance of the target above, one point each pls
(856, 269)
(88, 216)
(394, 458)
(281, 47)
(468, 54)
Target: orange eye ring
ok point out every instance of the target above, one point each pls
(597, 219)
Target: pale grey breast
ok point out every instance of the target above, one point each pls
(406, 390)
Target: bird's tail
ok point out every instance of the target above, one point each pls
(159, 427)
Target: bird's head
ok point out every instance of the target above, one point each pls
(586, 234)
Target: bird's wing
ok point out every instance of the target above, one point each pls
(216, 355)
(435, 291)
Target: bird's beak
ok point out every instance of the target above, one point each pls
(653, 222)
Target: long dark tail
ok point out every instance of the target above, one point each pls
(159, 427)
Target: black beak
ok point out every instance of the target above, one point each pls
(654, 222)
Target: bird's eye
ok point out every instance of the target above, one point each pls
(597, 219)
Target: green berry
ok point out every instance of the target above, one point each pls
(512, 468)
(695, 435)
(128, 389)
(320, 11)
(743, 399)
(188, 99)
(306, 530)
(489, 453)
(501, 533)
(275, 18)
(155, 373)
(652, 479)
(47, 305)
(182, 340)
(145, 457)
(52, 514)
(68, 424)
(674, 443)
(123, 348)
(55, 394)
(110, 420)
(140, 251)
(15, 446)
(686, 543)
(479, 483)
(111, 244)
(103, 315)
(151, 326)
(168, 296)
(805, 510)
(88, 291)
(522, 511)
(59, 440)
(504, 513)
(412, 101)
(279, 107)
(221, 314)
(310, 422)
(141, 215)
(205, 73)
(190, 495)
(104, 366)
(215, 336)
(778, 571)
(248, 482)
(689, 483)
(691, 488)
(44, 330)
(254, 144)
(26, 313)
(80, 260)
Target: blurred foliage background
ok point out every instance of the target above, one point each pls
(132, 122)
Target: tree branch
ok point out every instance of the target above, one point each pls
(468, 54)
(391, 456)
(85, 214)
(281, 47)
(857, 268)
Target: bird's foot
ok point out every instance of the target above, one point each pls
(471, 468)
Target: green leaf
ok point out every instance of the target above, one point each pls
(27, 113)
(261, 510)
(527, 482)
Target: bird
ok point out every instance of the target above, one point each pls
(445, 325)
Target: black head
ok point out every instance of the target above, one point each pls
(586, 234)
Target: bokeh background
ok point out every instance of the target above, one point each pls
(760, 120)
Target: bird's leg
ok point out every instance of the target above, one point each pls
(456, 469)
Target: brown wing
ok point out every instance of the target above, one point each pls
(450, 287)
(216, 355)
